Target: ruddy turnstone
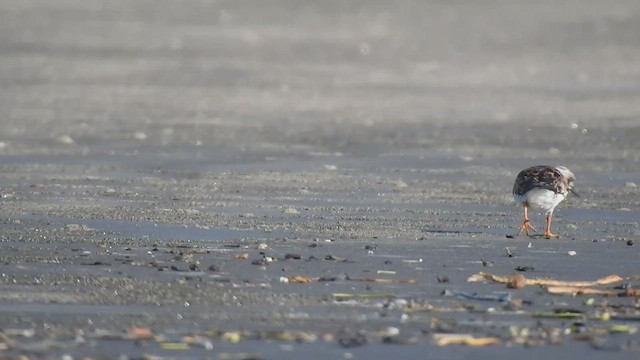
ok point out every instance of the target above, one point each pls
(542, 187)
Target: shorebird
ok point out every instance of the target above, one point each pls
(542, 187)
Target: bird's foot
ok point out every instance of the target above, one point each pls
(526, 227)
(550, 235)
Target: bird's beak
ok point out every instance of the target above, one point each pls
(574, 193)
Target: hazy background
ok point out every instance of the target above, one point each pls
(89, 76)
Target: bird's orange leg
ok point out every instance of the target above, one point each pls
(526, 226)
(547, 230)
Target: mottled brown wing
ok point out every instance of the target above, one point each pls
(538, 177)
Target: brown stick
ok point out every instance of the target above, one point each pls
(546, 282)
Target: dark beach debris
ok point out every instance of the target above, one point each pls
(525, 268)
(125, 260)
(509, 252)
(214, 268)
(399, 340)
(264, 260)
(330, 257)
(501, 297)
(96, 263)
(623, 286)
(486, 263)
(293, 256)
(443, 279)
(348, 339)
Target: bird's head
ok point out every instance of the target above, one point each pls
(569, 178)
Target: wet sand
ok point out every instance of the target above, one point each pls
(284, 179)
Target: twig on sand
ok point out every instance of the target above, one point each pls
(464, 339)
(482, 276)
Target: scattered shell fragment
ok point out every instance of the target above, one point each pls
(65, 139)
(571, 253)
(412, 261)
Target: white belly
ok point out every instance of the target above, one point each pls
(543, 199)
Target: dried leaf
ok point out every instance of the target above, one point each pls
(299, 279)
(140, 333)
(232, 336)
(559, 315)
(624, 329)
(174, 346)
(292, 336)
